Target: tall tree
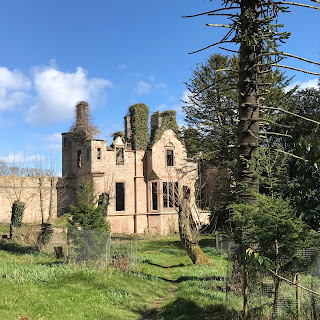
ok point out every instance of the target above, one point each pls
(255, 28)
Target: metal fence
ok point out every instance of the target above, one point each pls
(298, 294)
(98, 249)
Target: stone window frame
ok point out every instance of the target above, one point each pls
(166, 187)
(124, 197)
(119, 163)
(170, 147)
(79, 158)
(158, 196)
(98, 153)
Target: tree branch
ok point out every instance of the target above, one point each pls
(291, 113)
(296, 69)
(276, 134)
(294, 283)
(219, 25)
(211, 45)
(291, 56)
(291, 155)
(208, 12)
(299, 5)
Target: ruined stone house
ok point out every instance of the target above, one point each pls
(140, 175)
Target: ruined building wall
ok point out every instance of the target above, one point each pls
(133, 172)
(26, 189)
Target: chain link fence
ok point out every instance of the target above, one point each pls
(297, 296)
(98, 249)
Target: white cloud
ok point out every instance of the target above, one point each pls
(53, 142)
(161, 85)
(14, 87)
(184, 98)
(58, 92)
(20, 159)
(143, 88)
(313, 83)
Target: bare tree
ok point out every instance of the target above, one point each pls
(16, 182)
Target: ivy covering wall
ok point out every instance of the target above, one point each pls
(139, 115)
(17, 213)
(168, 122)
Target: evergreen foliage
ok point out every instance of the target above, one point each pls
(17, 213)
(88, 214)
(88, 229)
(168, 121)
(277, 233)
(304, 188)
(213, 103)
(139, 114)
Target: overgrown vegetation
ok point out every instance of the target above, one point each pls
(168, 121)
(139, 114)
(17, 213)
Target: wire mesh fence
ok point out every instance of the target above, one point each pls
(280, 296)
(98, 249)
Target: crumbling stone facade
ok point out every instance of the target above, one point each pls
(141, 186)
(27, 190)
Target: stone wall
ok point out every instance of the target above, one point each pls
(26, 189)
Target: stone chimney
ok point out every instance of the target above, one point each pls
(127, 130)
(155, 122)
(82, 115)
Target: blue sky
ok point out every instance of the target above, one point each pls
(111, 53)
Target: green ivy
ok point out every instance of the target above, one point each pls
(168, 122)
(117, 134)
(139, 114)
(17, 212)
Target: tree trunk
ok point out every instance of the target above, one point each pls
(41, 199)
(248, 127)
(50, 214)
(188, 240)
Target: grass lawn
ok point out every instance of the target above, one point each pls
(165, 285)
(37, 286)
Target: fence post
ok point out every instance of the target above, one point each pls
(298, 295)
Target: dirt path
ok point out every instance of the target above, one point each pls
(153, 311)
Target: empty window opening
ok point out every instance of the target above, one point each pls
(119, 156)
(170, 194)
(165, 194)
(169, 158)
(64, 142)
(79, 158)
(119, 196)
(98, 153)
(154, 188)
(176, 194)
(88, 154)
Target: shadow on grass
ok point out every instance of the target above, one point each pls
(7, 245)
(165, 267)
(184, 309)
